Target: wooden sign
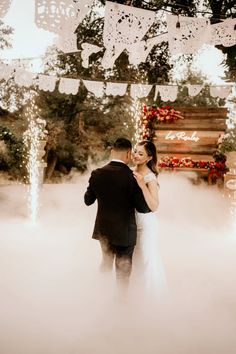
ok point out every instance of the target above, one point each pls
(195, 136)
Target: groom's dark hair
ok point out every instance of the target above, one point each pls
(122, 144)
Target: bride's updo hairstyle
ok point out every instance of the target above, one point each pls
(151, 150)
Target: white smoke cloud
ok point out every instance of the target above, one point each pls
(54, 300)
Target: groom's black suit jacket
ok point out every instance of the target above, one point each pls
(118, 195)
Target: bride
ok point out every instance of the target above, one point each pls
(145, 172)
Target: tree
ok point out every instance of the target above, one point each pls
(81, 126)
(216, 11)
(11, 154)
(12, 97)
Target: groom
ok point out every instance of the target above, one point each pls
(118, 195)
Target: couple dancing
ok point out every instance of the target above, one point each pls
(127, 200)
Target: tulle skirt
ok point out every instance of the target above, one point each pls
(148, 254)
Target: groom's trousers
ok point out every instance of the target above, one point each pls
(122, 256)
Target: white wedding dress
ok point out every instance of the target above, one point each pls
(147, 250)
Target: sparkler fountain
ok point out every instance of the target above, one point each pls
(34, 140)
(136, 109)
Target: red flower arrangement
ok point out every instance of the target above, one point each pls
(216, 167)
(154, 115)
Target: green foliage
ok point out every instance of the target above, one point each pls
(227, 141)
(12, 160)
(12, 97)
(81, 127)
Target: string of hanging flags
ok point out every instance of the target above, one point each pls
(125, 27)
(24, 78)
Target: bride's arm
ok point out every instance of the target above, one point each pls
(150, 191)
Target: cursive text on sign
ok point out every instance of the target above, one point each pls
(182, 136)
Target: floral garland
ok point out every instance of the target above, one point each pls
(212, 166)
(154, 115)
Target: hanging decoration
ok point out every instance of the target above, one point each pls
(95, 87)
(139, 51)
(194, 90)
(4, 7)
(123, 27)
(61, 16)
(140, 91)
(224, 33)
(24, 78)
(220, 91)
(56, 15)
(87, 50)
(47, 83)
(167, 92)
(116, 89)
(186, 35)
(69, 86)
(137, 91)
(67, 44)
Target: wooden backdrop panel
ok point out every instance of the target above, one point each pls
(209, 137)
(202, 112)
(216, 124)
(207, 124)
